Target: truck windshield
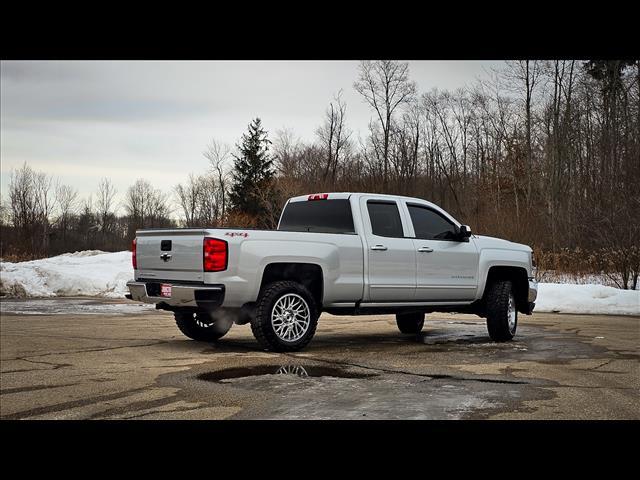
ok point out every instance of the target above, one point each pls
(322, 216)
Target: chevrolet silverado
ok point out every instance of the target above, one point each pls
(340, 253)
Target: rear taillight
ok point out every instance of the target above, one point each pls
(214, 255)
(134, 254)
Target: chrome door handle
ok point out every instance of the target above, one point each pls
(378, 247)
(425, 249)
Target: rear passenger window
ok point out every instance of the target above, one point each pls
(385, 219)
(430, 225)
(321, 216)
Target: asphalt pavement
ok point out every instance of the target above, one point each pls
(106, 363)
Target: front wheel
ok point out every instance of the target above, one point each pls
(502, 315)
(286, 317)
(202, 325)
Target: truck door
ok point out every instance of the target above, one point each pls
(390, 253)
(447, 268)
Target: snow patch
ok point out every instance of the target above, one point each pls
(590, 298)
(87, 273)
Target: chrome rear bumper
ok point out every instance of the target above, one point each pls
(201, 296)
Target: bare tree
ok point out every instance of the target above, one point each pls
(334, 136)
(286, 147)
(296, 161)
(525, 76)
(146, 206)
(189, 199)
(87, 225)
(212, 200)
(404, 149)
(159, 209)
(32, 202)
(105, 204)
(67, 200)
(4, 212)
(136, 200)
(385, 86)
(22, 198)
(46, 201)
(219, 156)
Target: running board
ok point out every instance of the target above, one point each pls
(398, 304)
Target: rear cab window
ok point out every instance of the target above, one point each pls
(385, 219)
(320, 216)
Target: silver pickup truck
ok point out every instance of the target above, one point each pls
(341, 253)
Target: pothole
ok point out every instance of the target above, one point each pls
(292, 370)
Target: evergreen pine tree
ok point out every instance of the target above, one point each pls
(252, 174)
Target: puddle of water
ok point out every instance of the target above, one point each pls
(457, 340)
(293, 370)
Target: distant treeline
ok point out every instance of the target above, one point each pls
(544, 152)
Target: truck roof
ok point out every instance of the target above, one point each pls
(345, 195)
(357, 195)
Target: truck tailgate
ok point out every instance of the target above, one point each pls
(170, 255)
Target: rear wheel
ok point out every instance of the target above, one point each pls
(286, 317)
(202, 325)
(410, 323)
(502, 315)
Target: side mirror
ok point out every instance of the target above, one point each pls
(465, 232)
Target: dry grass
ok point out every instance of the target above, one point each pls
(619, 266)
(15, 257)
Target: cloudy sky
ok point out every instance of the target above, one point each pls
(82, 120)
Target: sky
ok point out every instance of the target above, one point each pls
(83, 120)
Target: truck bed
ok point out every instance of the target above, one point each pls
(176, 256)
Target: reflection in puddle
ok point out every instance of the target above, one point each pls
(294, 370)
(298, 370)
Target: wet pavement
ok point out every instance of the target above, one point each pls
(136, 364)
(72, 306)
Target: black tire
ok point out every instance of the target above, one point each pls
(262, 326)
(202, 325)
(498, 305)
(410, 323)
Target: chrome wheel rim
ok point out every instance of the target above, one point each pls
(199, 320)
(290, 317)
(511, 313)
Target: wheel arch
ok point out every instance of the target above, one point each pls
(519, 279)
(308, 274)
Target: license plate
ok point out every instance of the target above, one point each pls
(165, 290)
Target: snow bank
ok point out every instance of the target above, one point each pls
(567, 298)
(96, 273)
(87, 273)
